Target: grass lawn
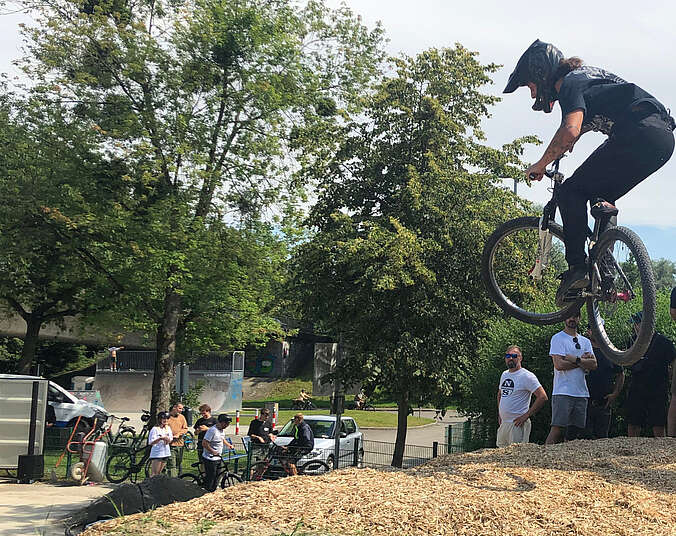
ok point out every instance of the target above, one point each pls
(371, 419)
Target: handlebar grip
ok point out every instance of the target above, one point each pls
(531, 176)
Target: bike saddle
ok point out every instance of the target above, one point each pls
(603, 209)
(196, 464)
(125, 419)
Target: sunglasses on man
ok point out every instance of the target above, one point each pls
(577, 344)
(511, 356)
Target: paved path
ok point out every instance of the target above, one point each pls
(37, 509)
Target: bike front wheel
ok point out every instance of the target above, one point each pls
(511, 254)
(230, 479)
(314, 467)
(118, 467)
(622, 285)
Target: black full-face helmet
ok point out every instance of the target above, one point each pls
(538, 65)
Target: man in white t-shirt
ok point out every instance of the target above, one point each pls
(212, 445)
(573, 357)
(517, 386)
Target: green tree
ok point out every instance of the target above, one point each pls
(207, 102)
(400, 220)
(665, 273)
(46, 164)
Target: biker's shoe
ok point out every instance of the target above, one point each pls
(575, 277)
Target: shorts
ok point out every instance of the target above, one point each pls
(569, 411)
(509, 433)
(646, 409)
(163, 459)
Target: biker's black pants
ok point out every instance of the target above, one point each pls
(211, 477)
(635, 150)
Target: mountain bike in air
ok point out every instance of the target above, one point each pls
(523, 258)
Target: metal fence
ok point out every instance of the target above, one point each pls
(144, 361)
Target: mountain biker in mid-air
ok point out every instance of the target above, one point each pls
(640, 140)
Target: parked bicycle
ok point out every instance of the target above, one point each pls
(127, 464)
(189, 441)
(224, 479)
(125, 435)
(283, 456)
(523, 257)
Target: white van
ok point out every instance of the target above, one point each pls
(67, 407)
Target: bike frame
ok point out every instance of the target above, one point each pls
(548, 216)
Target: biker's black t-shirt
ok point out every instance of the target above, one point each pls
(206, 422)
(600, 381)
(260, 428)
(650, 374)
(303, 437)
(605, 98)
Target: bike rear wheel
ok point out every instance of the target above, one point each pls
(118, 467)
(509, 256)
(257, 471)
(622, 284)
(314, 467)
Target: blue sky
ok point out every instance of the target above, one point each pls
(617, 35)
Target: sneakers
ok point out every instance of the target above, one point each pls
(574, 278)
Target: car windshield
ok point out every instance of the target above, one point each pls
(320, 429)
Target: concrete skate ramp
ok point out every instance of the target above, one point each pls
(130, 392)
(124, 392)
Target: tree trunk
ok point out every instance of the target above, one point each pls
(163, 377)
(30, 343)
(400, 442)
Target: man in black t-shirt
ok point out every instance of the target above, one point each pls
(640, 140)
(260, 429)
(202, 424)
(649, 386)
(671, 418)
(605, 385)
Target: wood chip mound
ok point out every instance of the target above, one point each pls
(617, 486)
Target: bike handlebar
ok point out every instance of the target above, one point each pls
(551, 172)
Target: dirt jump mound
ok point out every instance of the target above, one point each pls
(615, 486)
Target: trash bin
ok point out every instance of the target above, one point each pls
(187, 413)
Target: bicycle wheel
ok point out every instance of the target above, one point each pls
(314, 467)
(118, 467)
(257, 471)
(229, 479)
(191, 477)
(189, 440)
(622, 284)
(125, 438)
(509, 258)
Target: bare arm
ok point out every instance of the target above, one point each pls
(588, 362)
(563, 140)
(540, 399)
(499, 418)
(563, 362)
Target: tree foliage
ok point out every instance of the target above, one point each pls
(206, 102)
(48, 172)
(402, 212)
